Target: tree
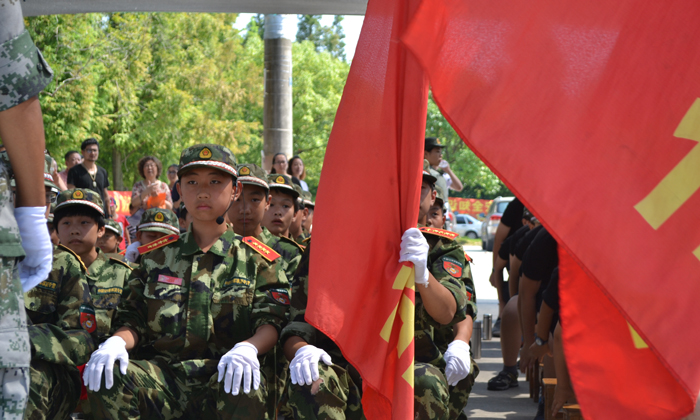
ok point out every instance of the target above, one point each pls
(330, 39)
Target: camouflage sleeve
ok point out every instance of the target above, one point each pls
(132, 311)
(63, 302)
(468, 281)
(23, 71)
(447, 264)
(271, 299)
(298, 327)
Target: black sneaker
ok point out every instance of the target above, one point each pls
(496, 331)
(502, 381)
(540, 410)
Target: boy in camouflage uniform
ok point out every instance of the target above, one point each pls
(61, 309)
(332, 389)
(109, 242)
(155, 225)
(199, 312)
(309, 220)
(296, 230)
(25, 248)
(284, 207)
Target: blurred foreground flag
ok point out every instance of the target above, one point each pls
(589, 111)
(359, 294)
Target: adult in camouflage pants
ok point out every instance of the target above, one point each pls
(194, 308)
(23, 74)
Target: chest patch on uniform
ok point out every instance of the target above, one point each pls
(177, 281)
(262, 249)
(49, 285)
(439, 232)
(87, 318)
(281, 296)
(452, 266)
(240, 281)
(108, 290)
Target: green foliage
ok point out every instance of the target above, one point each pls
(330, 39)
(477, 178)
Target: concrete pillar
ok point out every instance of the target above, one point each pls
(277, 119)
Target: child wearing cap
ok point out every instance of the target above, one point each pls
(284, 207)
(296, 231)
(157, 228)
(199, 313)
(64, 330)
(309, 205)
(436, 215)
(109, 242)
(49, 225)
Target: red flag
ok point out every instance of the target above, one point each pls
(359, 294)
(589, 111)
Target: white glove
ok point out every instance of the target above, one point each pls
(241, 362)
(414, 248)
(103, 359)
(132, 251)
(36, 266)
(458, 362)
(304, 366)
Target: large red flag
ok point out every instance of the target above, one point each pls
(359, 294)
(581, 106)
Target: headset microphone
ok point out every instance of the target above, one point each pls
(220, 219)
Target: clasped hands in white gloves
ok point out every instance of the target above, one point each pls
(458, 362)
(132, 251)
(414, 248)
(240, 363)
(36, 265)
(103, 359)
(304, 367)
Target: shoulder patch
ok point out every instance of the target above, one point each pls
(452, 266)
(87, 318)
(70, 251)
(124, 263)
(158, 243)
(293, 242)
(280, 295)
(439, 232)
(262, 249)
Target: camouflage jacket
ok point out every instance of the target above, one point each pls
(61, 310)
(298, 327)
(289, 250)
(446, 262)
(10, 243)
(302, 239)
(191, 307)
(23, 71)
(107, 277)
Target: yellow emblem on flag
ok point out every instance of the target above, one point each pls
(280, 179)
(245, 170)
(78, 195)
(159, 217)
(205, 153)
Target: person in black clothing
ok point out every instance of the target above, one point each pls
(89, 174)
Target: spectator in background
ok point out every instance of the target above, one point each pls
(150, 192)
(71, 158)
(297, 171)
(279, 164)
(172, 183)
(88, 174)
(433, 154)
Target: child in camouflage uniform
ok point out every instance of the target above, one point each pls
(65, 327)
(154, 226)
(284, 208)
(109, 242)
(199, 312)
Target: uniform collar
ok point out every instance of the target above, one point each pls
(221, 247)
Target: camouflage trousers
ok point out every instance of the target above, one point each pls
(431, 394)
(459, 394)
(276, 369)
(15, 353)
(334, 396)
(54, 391)
(156, 389)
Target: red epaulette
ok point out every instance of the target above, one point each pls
(262, 249)
(468, 258)
(158, 243)
(439, 232)
(307, 239)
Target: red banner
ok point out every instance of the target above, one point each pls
(359, 294)
(122, 200)
(580, 106)
(475, 206)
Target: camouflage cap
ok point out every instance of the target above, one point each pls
(427, 175)
(80, 197)
(252, 174)
(48, 178)
(208, 155)
(308, 199)
(431, 142)
(440, 197)
(159, 220)
(299, 191)
(284, 183)
(114, 226)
